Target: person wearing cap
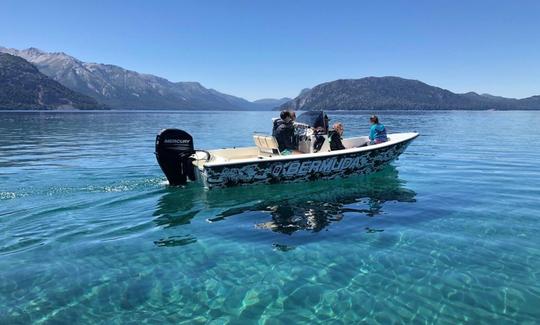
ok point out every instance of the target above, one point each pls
(377, 132)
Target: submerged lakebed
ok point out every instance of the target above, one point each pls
(91, 233)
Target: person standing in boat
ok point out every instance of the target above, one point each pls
(283, 131)
(377, 133)
(335, 136)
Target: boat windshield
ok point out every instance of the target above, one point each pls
(315, 119)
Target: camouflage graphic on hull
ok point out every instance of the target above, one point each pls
(302, 169)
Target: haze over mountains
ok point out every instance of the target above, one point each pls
(125, 89)
(118, 88)
(380, 93)
(272, 102)
(22, 86)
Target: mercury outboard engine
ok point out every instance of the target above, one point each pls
(173, 152)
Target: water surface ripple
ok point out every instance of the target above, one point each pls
(90, 233)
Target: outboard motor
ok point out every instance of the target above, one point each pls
(173, 152)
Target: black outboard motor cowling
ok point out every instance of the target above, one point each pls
(173, 152)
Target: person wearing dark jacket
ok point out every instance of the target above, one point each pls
(283, 131)
(335, 137)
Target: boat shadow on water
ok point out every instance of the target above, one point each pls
(291, 213)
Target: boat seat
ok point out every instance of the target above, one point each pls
(219, 159)
(267, 145)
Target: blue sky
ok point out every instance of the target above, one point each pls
(258, 49)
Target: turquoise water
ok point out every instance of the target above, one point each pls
(90, 233)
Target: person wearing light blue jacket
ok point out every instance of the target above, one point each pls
(377, 134)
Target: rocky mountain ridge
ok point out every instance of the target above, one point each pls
(379, 93)
(22, 86)
(120, 88)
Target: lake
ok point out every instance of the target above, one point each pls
(90, 232)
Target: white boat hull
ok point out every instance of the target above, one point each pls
(304, 167)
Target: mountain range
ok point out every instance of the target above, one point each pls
(120, 88)
(380, 93)
(22, 86)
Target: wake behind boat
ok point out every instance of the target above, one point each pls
(265, 164)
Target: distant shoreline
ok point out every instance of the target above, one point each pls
(243, 110)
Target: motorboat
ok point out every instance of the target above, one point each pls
(263, 163)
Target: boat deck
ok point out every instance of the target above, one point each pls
(254, 154)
